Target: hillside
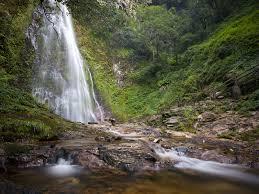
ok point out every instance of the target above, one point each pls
(140, 85)
(139, 68)
(129, 96)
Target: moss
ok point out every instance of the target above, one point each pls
(16, 54)
(231, 50)
(12, 149)
(250, 103)
(249, 136)
(20, 115)
(190, 117)
(153, 85)
(252, 135)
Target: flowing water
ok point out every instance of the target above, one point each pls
(185, 176)
(61, 77)
(68, 179)
(63, 81)
(234, 172)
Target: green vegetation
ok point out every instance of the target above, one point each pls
(251, 103)
(20, 115)
(249, 136)
(15, 149)
(172, 53)
(190, 116)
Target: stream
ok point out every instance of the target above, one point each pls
(74, 179)
(104, 159)
(184, 175)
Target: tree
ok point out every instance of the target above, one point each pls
(159, 27)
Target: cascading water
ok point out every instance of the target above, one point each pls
(60, 78)
(210, 167)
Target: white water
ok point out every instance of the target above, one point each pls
(61, 78)
(214, 168)
(63, 168)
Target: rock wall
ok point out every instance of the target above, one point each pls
(127, 5)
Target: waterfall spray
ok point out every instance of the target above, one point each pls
(61, 78)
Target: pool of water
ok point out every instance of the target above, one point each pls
(64, 178)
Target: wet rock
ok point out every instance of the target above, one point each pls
(50, 138)
(166, 145)
(62, 153)
(110, 138)
(127, 156)
(2, 152)
(182, 149)
(167, 114)
(92, 123)
(155, 120)
(180, 134)
(176, 111)
(220, 97)
(213, 155)
(26, 161)
(254, 164)
(217, 94)
(112, 121)
(90, 161)
(151, 132)
(52, 145)
(2, 160)
(100, 138)
(158, 140)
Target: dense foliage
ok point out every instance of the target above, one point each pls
(20, 115)
(172, 52)
(169, 52)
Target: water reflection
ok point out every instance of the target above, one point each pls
(160, 182)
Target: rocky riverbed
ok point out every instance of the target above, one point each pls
(127, 147)
(123, 150)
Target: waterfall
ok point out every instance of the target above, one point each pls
(61, 79)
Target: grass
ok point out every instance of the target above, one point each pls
(250, 103)
(231, 50)
(148, 89)
(20, 115)
(190, 115)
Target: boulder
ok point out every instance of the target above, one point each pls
(176, 111)
(154, 120)
(112, 121)
(207, 117)
(181, 149)
(90, 161)
(127, 156)
(172, 122)
(220, 97)
(213, 155)
(158, 140)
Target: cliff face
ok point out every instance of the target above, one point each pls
(129, 6)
